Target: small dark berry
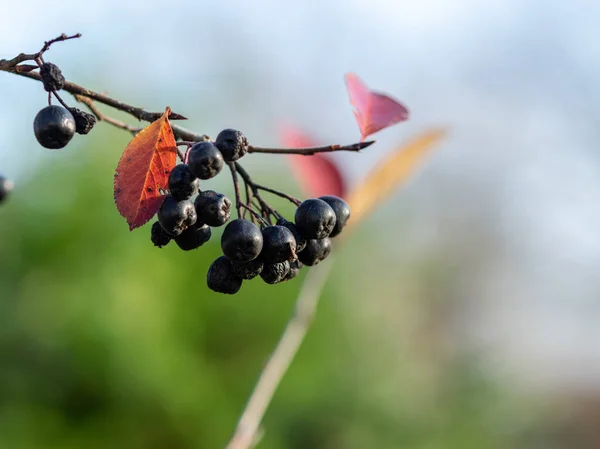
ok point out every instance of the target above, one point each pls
(295, 267)
(315, 219)
(54, 127)
(220, 277)
(52, 77)
(84, 122)
(182, 183)
(232, 144)
(174, 216)
(273, 273)
(342, 212)
(315, 251)
(247, 270)
(6, 187)
(212, 208)
(241, 241)
(193, 237)
(205, 160)
(159, 236)
(278, 244)
(300, 240)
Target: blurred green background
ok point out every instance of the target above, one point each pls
(461, 314)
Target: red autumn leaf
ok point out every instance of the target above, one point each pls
(373, 111)
(317, 174)
(143, 172)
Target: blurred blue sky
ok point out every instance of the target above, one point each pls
(515, 82)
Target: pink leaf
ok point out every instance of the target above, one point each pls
(317, 174)
(373, 111)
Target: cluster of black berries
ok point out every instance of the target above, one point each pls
(6, 187)
(54, 126)
(277, 252)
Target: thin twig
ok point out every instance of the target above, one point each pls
(104, 118)
(9, 64)
(311, 150)
(283, 355)
(290, 198)
(236, 187)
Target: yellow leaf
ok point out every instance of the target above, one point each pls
(390, 174)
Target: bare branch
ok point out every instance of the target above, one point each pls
(312, 150)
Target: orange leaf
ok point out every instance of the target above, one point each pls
(143, 172)
(389, 174)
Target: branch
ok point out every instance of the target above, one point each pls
(311, 150)
(247, 429)
(8, 65)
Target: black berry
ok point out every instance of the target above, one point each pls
(84, 122)
(278, 244)
(272, 273)
(52, 77)
(241, 241)
(232, 144)
(54, 127)
(193, 237)
(182, 183)
(342, 212)
(6, 187)
(174, 216)
(247, 270)
(212, 208)
(295, 267)
(315, 251)
(315, 219)
(220, 277)
(300, 240)
(159, 236)
(205, 160)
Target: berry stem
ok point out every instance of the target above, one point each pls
(104, 118)
(290, 198)
(60, 100)
(312, 150)
(236, 187)
(266, 209)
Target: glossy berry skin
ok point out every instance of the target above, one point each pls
(174, 216)
(54, 127)
(274, 273)
(300, 240)
(278, 244)
(295, 267)
(213, 208)
(247, 270)
(315, 219)
(232, 144)
(220, 277)
(241, 241)
(316, 251)
(182, 183)
(205, 160)
(193, 237)
(6, 187)
(342, 212)
(159, 236)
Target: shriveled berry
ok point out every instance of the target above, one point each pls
(247, 270)
(220, 277)
(174, 216)
(84, 122)
(52, 77)
(241, 241)
(272, 273)
(54, 127)
(212, 208)
(342, 212)
(295, 267)
(315, 219)
(182, 183)
(278, 244)
(232, 144)
(300, 240)
(159, 236)
(193, 237)
(6, 187)
(205, 160)
(316, 251)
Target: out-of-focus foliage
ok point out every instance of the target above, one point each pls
(106, 341)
